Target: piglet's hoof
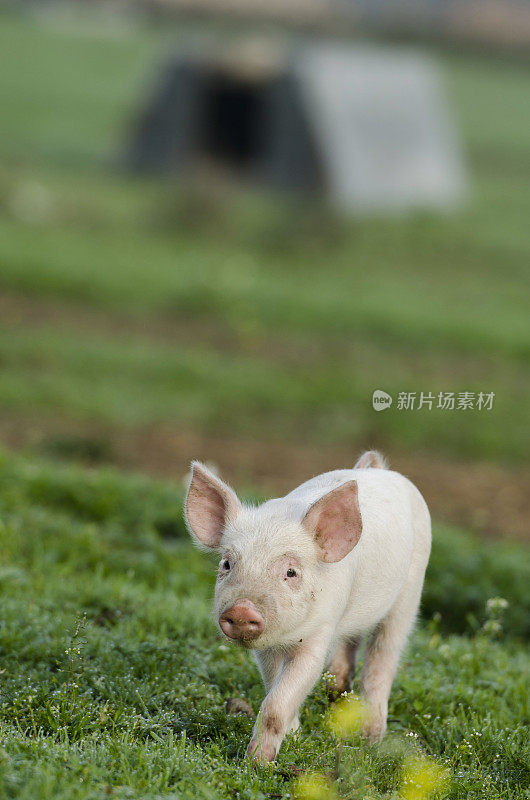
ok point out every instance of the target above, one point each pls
(261, 754)
(374, 730)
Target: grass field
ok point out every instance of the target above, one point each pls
(280, 319)
(114, 683)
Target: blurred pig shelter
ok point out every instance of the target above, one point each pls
(367, 127)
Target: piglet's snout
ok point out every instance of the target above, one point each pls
(242, 621)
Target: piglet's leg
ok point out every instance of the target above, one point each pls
(342, 665)
(383, 651)
(279, 710)
(270, 662)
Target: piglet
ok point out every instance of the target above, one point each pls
(303, 577)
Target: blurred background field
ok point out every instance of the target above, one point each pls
(145, 322)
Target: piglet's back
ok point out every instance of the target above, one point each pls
(395, 519)
(380, 486)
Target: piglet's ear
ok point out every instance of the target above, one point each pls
(335, 522)
(210, 503)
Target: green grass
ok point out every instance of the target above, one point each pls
(302, 315)
(113, 680)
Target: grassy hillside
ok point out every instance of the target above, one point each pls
(279, 320)
(114, 682)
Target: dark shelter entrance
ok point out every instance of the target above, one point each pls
(234, 121)
(251, 125)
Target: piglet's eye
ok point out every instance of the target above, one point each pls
(291, 573)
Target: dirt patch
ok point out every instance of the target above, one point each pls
(490, 499)
(20, 311)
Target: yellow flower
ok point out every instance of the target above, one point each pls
(347, 716)
(422, 779)
(313, 786)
